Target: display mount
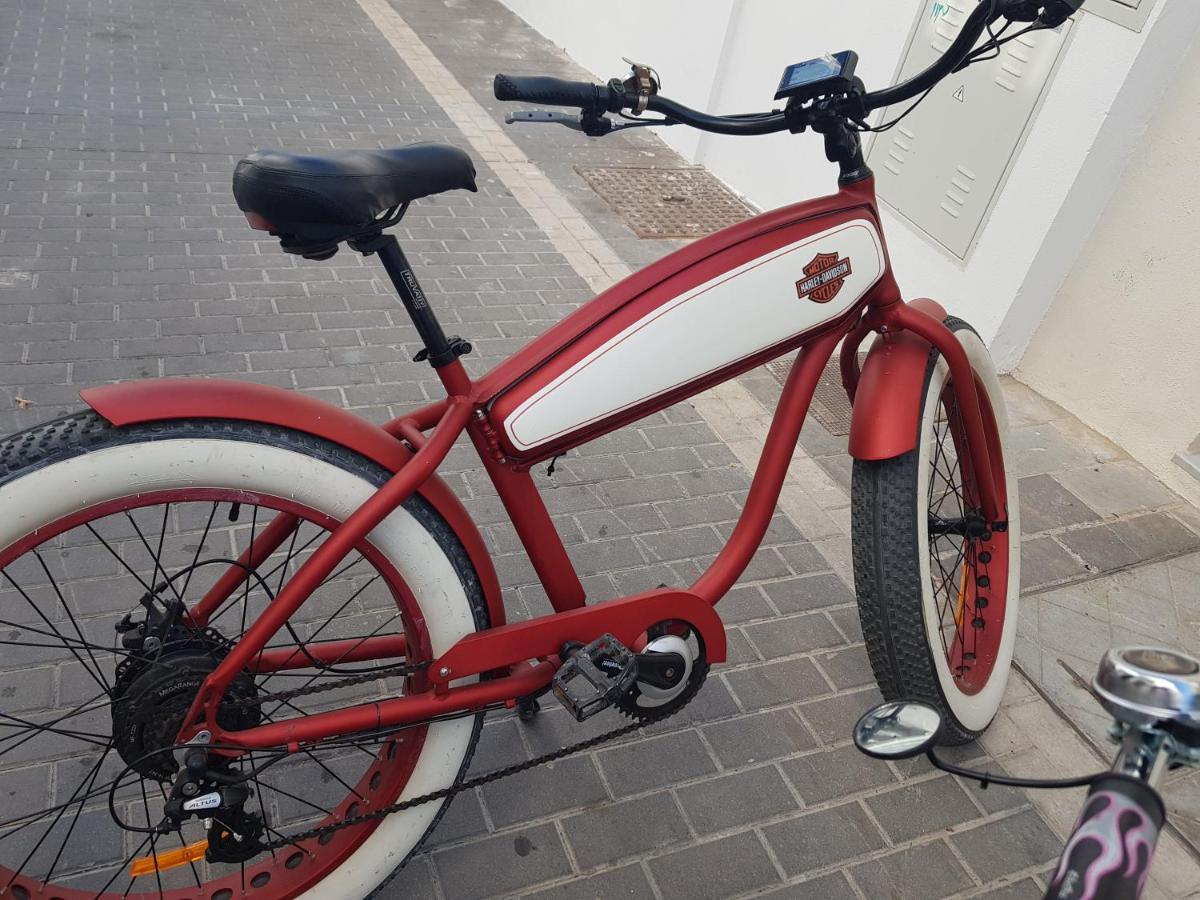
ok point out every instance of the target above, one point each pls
(832, 73)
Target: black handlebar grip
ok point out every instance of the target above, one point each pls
(1108, 854)
(552, 91)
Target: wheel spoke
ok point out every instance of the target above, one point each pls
(153, 837)
(88, 780)
(41, 615)
(88, 737)
(303, 645)
(346, 652)
(199, 548)
(189, 532)
(117, 556)
(78, 710)
(122, 867)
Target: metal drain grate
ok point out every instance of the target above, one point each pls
(830, 405)
(667, 203)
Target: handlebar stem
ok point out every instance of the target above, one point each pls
(1144, 755)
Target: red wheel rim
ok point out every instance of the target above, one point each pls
(296, 868)
(968, 572)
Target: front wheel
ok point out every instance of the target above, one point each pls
(938, 591)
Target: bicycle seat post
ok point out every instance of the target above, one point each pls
(439, 349)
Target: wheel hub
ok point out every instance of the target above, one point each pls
(153, 700)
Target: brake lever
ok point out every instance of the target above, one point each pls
(593, 126)
(544, 115)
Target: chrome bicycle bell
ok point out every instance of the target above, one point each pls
(1149, 685)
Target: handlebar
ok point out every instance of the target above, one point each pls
(983, 15)
(597, 99)
(1109, 852)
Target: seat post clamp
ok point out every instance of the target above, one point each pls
(455, 347)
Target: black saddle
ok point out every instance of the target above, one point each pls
(312, 203)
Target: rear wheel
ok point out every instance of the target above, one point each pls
(97, 519)
(937, 591)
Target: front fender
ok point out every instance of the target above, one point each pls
(160, 400)
(887, 398)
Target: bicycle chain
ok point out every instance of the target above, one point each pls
(451, 791)
(639, 721)
(331, 685)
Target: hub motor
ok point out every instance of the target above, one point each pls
(152, 698)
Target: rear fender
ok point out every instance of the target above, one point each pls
(887, 397)
(161, 400)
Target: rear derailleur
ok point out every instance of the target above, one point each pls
(219, 797)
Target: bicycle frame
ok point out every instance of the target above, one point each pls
(508, 662)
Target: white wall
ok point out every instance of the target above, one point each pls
(727, 55)
(1120, 347)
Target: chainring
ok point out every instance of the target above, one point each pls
(628, 704)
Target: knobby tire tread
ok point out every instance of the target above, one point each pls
(883, 533)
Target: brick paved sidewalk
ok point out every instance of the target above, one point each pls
(122, 256)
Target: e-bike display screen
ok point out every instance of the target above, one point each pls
(824, 74)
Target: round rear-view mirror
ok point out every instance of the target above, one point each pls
(897, 730)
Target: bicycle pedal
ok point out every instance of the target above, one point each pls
(595, 677)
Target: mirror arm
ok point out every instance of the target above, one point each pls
(985, 778)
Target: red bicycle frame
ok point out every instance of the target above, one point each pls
(521, 658)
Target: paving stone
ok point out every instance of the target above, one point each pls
(538, 792)
(916, 873)
(833, 886)
(848, 668)
(502, 864)
(737, 799)
(462, 819)
(1044, 561)
(941, 801)
(612, 832)
(718, 869)
(627, 881)
(823, 838)
(833, 718)
(814, 592)
(848, 621)
(758, 738)
(414, 880)
(1009, 845)
(776, 683)
(1025, 889)
(1038, 449)
(499, 746)
(744, 604)
(820, 777)
(655, 762)
(793, 634)
(1116, 488)
(803, 559)
(1100, 547)
(1156, 535)
(1046, 504)
(996, 797)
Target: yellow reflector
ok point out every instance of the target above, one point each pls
(171, 859)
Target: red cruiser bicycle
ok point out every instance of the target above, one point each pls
(249, 638)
